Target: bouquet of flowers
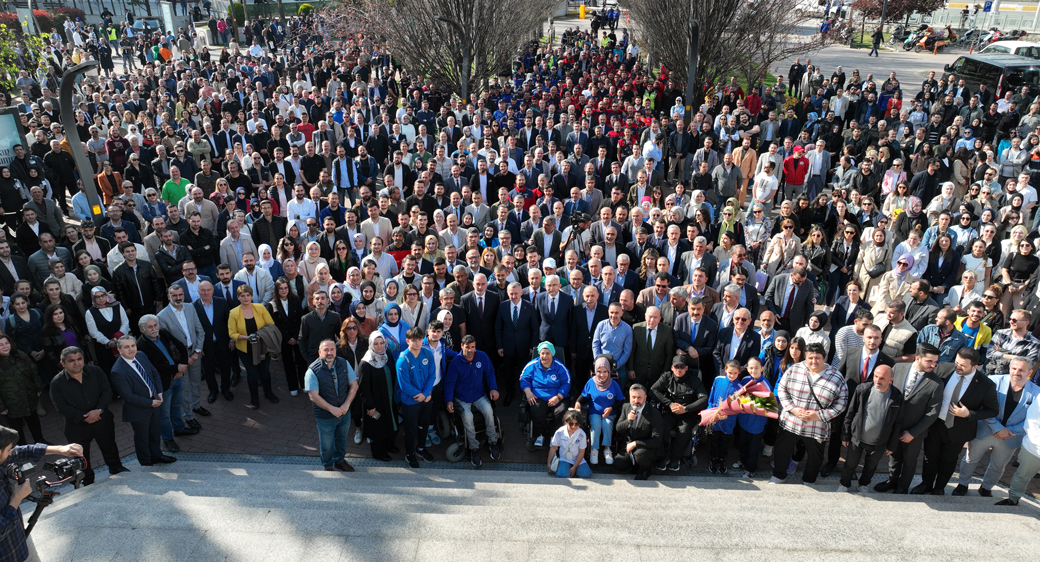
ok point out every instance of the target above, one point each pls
(753, 398)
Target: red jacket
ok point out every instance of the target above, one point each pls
(795, 170)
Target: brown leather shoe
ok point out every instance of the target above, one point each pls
(342, 465)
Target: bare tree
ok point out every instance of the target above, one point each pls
(736, 37)
(436, 37)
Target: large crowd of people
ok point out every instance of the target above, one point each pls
(569, 239)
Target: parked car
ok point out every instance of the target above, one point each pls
(1020, 48)
(1000, 72)
(147, 25)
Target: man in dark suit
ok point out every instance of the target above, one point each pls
(864, 434)
(652, 349)
(138, 384)
(548, 238)
(583, 327)
(696, 336)
(640, 433)
(790, 298)
(481, 308)
(516, 330)
(7, 260)
(216, 356)
(858, 365)
(554, 312)
(699, 256)
(922, 396)
(969, 396)
(738, 342)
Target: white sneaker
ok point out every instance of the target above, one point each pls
(767, 451)
(843, 488)
(738, 465)
(293, 392)
(608, 457)
(538, 442)
(357, 436)
(594, 456)
(774, 480)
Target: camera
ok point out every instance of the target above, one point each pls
(65, 469)
(578, 222)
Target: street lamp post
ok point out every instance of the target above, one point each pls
(465, 54)
(691, 75)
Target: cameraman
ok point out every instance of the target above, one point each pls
(576, 236)
(12, 532)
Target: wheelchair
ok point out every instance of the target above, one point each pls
(450, 426)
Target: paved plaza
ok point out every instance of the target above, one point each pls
(233, 510)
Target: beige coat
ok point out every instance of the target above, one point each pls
(868, 258)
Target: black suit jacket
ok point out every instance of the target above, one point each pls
(553, 327)
(704, 342)
(177, 352)
(980, 398)
(580, 334)
(482, 327)
(857, 411)
(219, 326)
(21, 267)
(852, 367)
(921, 405)
(137, 403)
(802, 306)
(519, 339)
(750, 345)
(648, 431)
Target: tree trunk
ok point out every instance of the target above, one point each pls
(281, 10)
(863, 28)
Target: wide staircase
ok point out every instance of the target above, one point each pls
(210, 507)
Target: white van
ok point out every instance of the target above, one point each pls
(1020, 48)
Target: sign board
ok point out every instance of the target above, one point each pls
(987, 6)
(166, 10)
(11, 133)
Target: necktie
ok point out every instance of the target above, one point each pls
(649, 340)
(911, 382)
(480, 306)
(693, 331)
(516, 315)
(955, 397)
(145, 378)
(864, 372)
(552, 307)
(227, 294)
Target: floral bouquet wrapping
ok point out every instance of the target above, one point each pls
(753, 398)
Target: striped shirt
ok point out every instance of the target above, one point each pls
(845, 339)
(793, 391)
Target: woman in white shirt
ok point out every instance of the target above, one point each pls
(978, 262)
(969, 291)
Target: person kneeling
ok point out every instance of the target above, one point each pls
(569, 442)
(640, 430)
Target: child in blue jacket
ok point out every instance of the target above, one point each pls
(723, 387)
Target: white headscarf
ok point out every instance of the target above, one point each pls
(371, 357)
(266, 264)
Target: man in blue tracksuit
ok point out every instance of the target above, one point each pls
(545, 382)
(416, 374)
(464, 390)
(442, 356)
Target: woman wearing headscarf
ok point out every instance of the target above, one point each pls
(393, 329)
(813, 331)
(311, 260)
(360, 315)
(602, 395)
(376, 382)
(730, 223)
(908, 220)
(339, 300)
(391, 291)
(546, 383)
(12, 194)
(255, 213)
(352, 284)
(894, 285)
(873, 260)
(371, 301)
(452, 330)
(267, 261)
(322, 282)
(358, 248)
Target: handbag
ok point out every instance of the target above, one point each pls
(555, 463)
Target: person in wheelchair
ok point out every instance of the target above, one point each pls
(680, 397)
(570, 442)
(545, 382)
(601, 396)
(464, 383)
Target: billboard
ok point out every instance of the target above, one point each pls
(11, 133)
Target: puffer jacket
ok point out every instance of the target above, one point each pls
(20, 386)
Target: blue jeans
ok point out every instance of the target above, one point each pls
(564, 470)
(170, 411)
(602, 428)
(332, 439)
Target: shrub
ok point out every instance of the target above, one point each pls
(239, 12)
(305, 9)
(43, 18)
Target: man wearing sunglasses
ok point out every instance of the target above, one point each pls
(1015, 341)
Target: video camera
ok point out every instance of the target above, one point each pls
(65, 469)
(578, 220)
